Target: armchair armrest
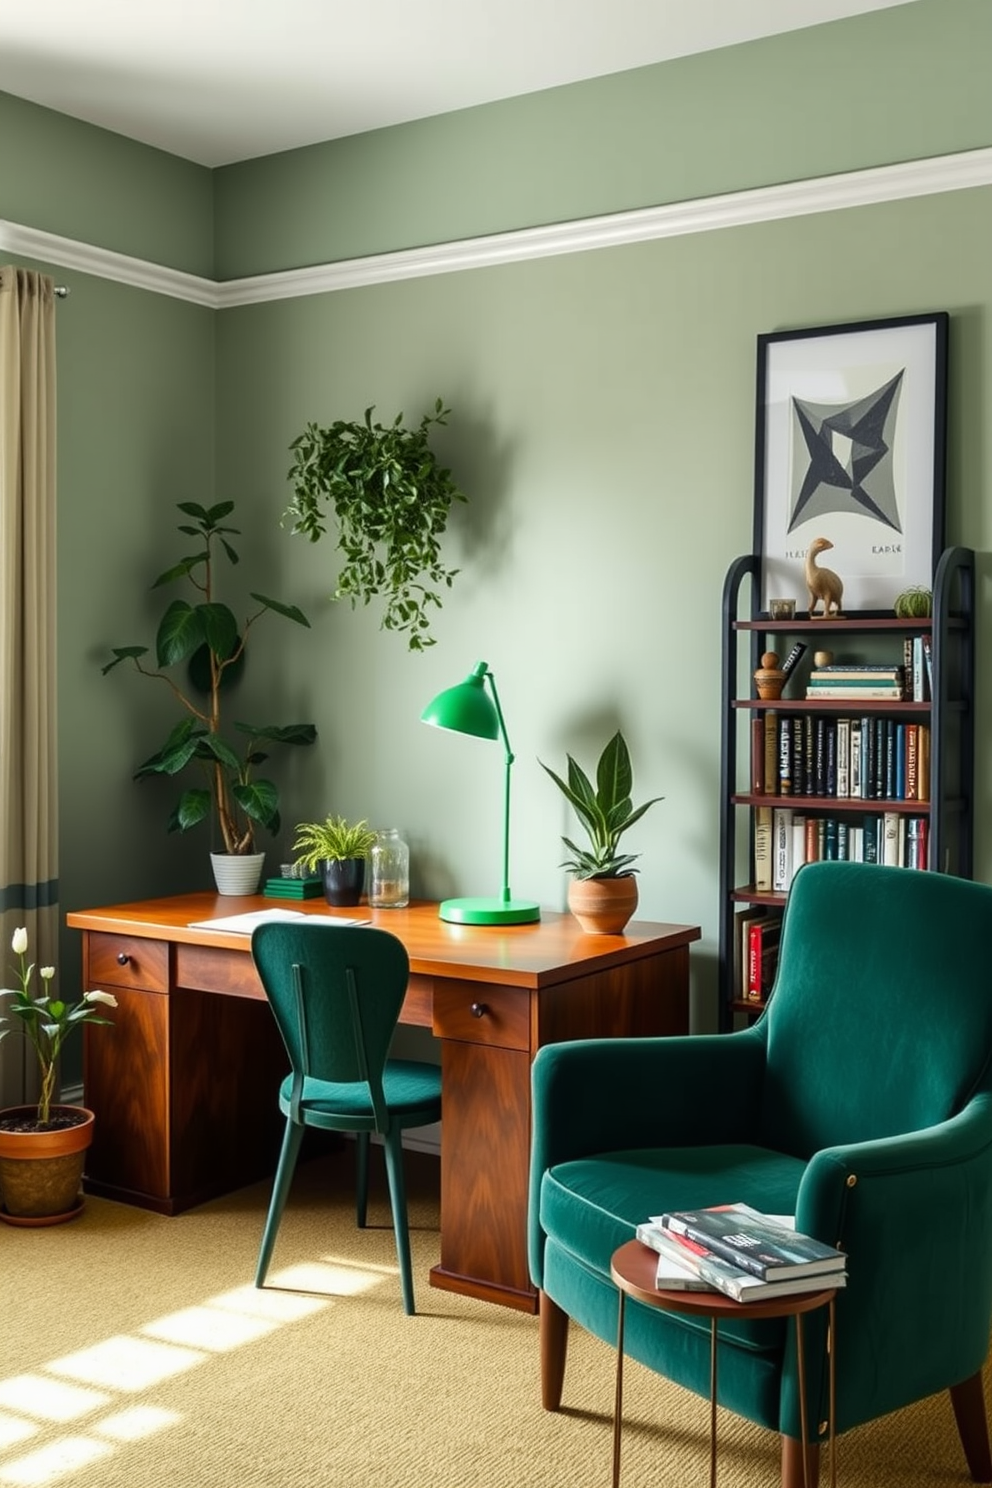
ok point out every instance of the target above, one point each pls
(914, 1215)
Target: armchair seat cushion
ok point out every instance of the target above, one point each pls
(592, 1205)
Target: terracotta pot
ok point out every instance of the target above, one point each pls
(344, 880)
(41, 1171)
(603, 906)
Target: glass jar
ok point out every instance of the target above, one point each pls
(390, 886)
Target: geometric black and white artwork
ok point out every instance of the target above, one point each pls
(842, 457)
(849, 446)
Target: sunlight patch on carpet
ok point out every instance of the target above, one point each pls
(136, 1423)
(210, 1328)
(283, 1307)
(332, 1277)
(48, 1400)
(126, 1363)
(13, 1432)
(53, 1462)
(164, 1348)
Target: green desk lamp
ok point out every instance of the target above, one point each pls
(468, 709)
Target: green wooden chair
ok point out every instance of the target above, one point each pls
(860, 1102)
(336, 992)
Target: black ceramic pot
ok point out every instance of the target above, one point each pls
(344, 880)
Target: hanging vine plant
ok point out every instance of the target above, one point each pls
(391, 499)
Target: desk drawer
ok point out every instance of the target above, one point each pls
(128, 961)
(482, 1013)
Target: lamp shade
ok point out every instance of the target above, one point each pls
(466, 708)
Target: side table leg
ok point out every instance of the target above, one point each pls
(832, 1364)
(801, 1364)
(713, 1335)
(618, 1396)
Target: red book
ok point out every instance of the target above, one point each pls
(763, 938)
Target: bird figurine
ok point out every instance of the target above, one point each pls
(823, 584)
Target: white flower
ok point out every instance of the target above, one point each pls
(46, 973)
(19, 942)
(107, 998)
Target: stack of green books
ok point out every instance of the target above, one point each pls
(293, 888)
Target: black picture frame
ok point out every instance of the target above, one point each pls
(850, 445)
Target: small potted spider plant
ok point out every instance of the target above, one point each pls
(336, 849)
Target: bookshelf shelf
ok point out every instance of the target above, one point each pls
(838, 803)
(873, 818)
(829, 705)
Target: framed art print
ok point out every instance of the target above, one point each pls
(850, 447)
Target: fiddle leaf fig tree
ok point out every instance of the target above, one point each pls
(391, 498)
(206, 636)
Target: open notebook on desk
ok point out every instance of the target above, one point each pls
(244, 924)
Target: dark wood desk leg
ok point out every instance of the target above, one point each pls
(713, 1342)
(618, 1397)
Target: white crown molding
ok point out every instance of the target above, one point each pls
(939, 174)
(104, 263)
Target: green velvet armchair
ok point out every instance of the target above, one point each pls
(861, 1102)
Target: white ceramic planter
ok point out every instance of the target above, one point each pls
(237, 873)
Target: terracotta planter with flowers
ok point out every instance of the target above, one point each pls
(41, 1169)
(43, 1147)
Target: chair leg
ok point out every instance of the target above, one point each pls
(553, 1327)
(393, 1144)
(792, 1463)
(292, 1137)
(361, 1177)
(968, 1401)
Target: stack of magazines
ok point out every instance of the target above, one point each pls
(737, 1250)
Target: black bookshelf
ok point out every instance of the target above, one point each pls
(949, 713)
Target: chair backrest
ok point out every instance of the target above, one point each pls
(881, 1018)
(336, 992)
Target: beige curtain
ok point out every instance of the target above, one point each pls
(28, 815)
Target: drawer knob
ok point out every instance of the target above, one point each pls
(478, 1010)
(123, 959)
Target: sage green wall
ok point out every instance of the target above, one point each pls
(135, 435)
(65, 177)
(889, 86)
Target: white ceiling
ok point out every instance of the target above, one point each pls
(216, 81)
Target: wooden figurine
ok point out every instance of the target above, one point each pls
(769, 678)
(822, 583)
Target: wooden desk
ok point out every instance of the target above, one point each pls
(184, 1089)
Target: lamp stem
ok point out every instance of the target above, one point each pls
(506, 790)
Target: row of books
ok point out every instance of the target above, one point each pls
(862, 759)
(909, 681)
(785, 839)
(737, 1250)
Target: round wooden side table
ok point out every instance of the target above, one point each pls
(633, 1269)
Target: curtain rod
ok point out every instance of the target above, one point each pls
(61, 291)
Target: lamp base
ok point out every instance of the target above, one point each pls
(490, 911)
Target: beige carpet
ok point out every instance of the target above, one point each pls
(134, 1351)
